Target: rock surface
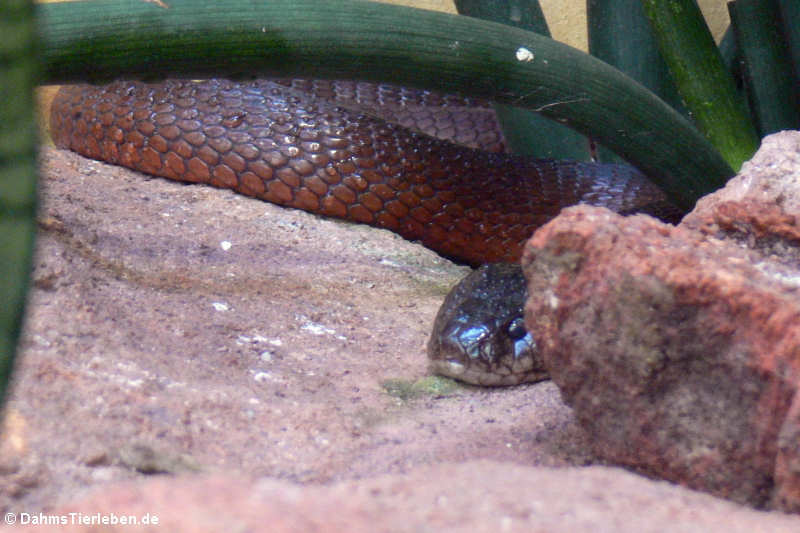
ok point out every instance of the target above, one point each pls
(301, 404)
(477, 496)
(679, 347)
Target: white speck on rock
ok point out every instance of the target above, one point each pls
(262, 377)
(552, 301)
(390, 262)
(219, 306)
(225, 245)
(316, 328)
(102, 474)
(42, 341)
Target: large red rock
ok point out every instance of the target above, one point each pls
(679, 347)
(470, 497)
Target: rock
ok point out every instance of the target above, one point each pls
(127, 340)
(770, 177)
(297, 353)
(679, 347)
(475, 496)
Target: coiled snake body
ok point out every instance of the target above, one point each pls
(285, 145)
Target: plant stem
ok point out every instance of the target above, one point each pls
(370, 41)
(767, 67)
(526, 132)
(707, 89)
(18, 141)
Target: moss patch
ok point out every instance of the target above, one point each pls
(427, 386)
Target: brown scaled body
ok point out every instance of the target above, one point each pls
(291, 148)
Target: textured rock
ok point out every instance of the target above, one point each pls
(476, 496)
(255, 340)
(772, 176)
(679, 347)
(129, 363)
(143, 358)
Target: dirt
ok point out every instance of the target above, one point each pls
(179, 331)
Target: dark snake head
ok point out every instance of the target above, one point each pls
(479, 335)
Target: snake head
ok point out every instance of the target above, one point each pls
(479, 335)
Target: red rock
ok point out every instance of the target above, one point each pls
(141, 355)
(471, 497)
(679, 347)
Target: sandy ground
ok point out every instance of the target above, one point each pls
(187, 330)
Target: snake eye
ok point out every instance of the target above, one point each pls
(516, 329)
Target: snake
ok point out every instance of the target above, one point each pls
(431, 167)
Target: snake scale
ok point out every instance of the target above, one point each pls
(326, 147)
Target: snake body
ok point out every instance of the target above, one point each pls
(291, 148)
(289, 144)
